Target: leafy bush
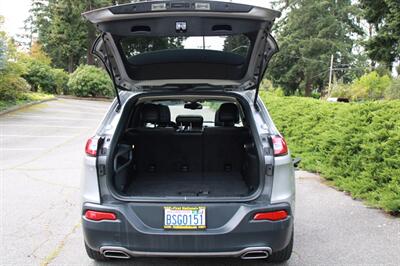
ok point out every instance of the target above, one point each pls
(370, 86)
(61, 81)
(355, 146)
(269, 86)
(393, 92)
(90, 81)
(341, 90)
(316, 95)
(12, 87)
(40, 76)
(11, 84)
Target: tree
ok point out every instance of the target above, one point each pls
(2, 45)
(65, 35)
(384, 16)
(38, 54)
(310, 34)
(61, 30)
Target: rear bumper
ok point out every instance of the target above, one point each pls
(138, 231)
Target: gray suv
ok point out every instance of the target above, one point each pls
(187, 162)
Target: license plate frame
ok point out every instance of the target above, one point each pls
(185, 218)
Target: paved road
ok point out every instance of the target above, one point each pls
(40, 162)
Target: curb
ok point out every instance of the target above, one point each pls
(67, 97)
(23, 106)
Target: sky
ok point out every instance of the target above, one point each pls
(16, 11)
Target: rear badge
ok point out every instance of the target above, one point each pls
(181, 26)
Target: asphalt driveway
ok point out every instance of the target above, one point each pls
(41, 150)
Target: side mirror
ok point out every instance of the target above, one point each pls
(296, 162)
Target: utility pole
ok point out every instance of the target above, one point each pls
(330, 77)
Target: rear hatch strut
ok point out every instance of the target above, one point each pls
(263, 66)
(108, 66)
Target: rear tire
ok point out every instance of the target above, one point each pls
(94, 255)
(283, 255)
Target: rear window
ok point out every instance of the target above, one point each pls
(207, 112)
(193, 57)
(235, 44)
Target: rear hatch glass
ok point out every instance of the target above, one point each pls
(212, 57)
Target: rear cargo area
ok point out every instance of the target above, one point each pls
(187, 159)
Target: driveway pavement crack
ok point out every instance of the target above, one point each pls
(54, 254)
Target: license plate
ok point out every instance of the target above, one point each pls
(185, 218)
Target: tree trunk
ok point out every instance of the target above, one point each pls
(91, 39)
(308, 87)
(371, 32)
(70, 64)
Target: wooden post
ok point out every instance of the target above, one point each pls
(330, 77)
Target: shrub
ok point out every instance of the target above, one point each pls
(40, 76)
(354, 146)
(269, 86)
(393, 92)
(90, 81)
(341, 90)
(12, 87)
(316, 95)
(370, 86)
(61, 81)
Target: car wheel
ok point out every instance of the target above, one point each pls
(94, 255)
(283, 255)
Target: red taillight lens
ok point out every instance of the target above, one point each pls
(91, 146)
(100, 216)
(271, 216)
(280, 146)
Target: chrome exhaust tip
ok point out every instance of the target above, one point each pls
(255, 255)
(116, 254)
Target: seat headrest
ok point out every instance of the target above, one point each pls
(228, 114)
(218, 123)
(193, 121)
(165, 115)
(150, 114)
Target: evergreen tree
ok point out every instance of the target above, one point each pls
(65, 35)
(308, 36)
(384, 16)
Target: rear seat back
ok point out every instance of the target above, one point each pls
(187, 145)
(224, 145)
(151, 142)
(159, 149)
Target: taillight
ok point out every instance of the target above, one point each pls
(100, 216)
(280, 146)
(91, 146)
(271, 216)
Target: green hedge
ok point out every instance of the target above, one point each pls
(40, 76)
(355, 146)
(90, 81)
